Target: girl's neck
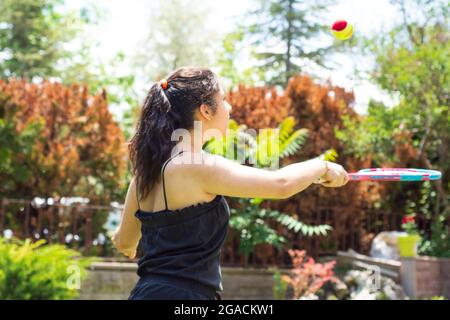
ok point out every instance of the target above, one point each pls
(192, 146)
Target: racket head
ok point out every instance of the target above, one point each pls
(395, 174)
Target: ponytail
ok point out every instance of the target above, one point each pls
(169, 105)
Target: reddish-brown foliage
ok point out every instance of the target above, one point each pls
(78, 140)
(319, 108)
(259, 107)
(308, 276)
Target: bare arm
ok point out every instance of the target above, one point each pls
(301, 175)
(128, 233)
(225, 177)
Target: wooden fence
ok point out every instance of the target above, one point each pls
(78, 227)
(73, 225)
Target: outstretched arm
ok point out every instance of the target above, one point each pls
(225, 177)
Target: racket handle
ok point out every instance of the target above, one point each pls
(354, 176)
(351, 176)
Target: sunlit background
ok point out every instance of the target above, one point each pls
(74, 74)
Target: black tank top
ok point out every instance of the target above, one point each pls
(184, 244)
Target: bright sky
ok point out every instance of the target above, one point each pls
(127, 23)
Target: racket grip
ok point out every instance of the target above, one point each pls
(354, 177)
(350, 178)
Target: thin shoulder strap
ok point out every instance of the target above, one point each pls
(162, 173)
(137, 194)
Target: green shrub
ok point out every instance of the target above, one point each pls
(280, 286)
(39, 271)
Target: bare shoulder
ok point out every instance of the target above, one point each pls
(191, 164)
(191, 171)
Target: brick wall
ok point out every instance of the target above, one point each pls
(421, 277)
(424, 277)
(115, 280)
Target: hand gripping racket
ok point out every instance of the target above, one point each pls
(393, 174)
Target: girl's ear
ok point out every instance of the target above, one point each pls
(205, 112)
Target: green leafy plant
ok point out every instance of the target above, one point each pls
(251, 220)
(435, 243)
(280, 286)
(262, 150)
(30, 271)
(438, 243)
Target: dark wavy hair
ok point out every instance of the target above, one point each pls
(163, 111)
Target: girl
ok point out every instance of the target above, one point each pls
(175, 206)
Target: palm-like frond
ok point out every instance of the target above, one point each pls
(298, 226)
(267, 147)
(236, 145)
(286, 127)
(329, 155)
(293, 143)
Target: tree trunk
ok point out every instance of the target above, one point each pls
(289, 41)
